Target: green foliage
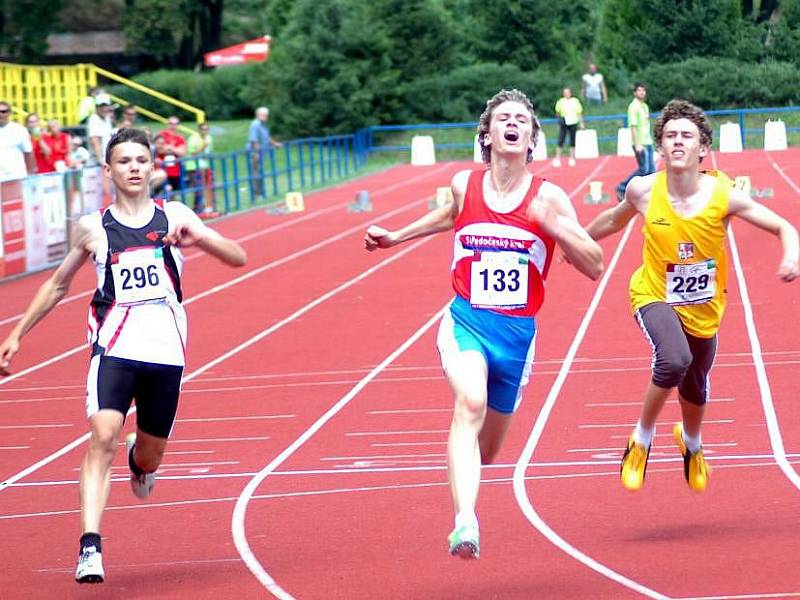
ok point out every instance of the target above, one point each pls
(641, 32)
(715, 83)
(529, 33)
(24, 26)
(278, 15)
(155, 27)
(461, 95)
(329, 73)
(220, 93)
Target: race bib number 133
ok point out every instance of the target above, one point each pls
(500, 279)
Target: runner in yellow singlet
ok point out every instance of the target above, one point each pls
(678, 294)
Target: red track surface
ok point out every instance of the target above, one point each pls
(305, 463)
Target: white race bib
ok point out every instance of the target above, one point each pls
(140, 276)
(500, 279)
(691, 284)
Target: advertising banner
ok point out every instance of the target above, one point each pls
(13, 225)
(255, 50)
(45, 220)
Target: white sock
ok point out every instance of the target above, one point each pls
(643, 436)
(693, 443)
(466, 517)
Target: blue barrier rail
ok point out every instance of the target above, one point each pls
(751, 123)
(230, 181)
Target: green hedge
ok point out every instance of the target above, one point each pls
(219, 92)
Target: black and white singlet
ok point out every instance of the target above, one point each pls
(136, 312)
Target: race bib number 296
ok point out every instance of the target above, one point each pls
(139, 276)
(500, 279)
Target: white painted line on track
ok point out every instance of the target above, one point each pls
(228, 439)
(412, 432)
(521, 492)
(773, 427)
(744, 596)
(240, 509)
(780, 171)
(256, 338)
(14, 447)
(639, 403)
(45, 426)
(227, 284)
(658, 425)
(384, 456)
(243, 418)
(403, 411)
(409, 444)
(271, 229)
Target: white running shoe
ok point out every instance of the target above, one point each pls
(142, 484)
(556, 162)
(90, 566)
(571, 162)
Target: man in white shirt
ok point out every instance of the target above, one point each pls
(16, 151)
(593, 87)
(99, 128)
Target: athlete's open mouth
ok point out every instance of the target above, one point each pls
(511, 135)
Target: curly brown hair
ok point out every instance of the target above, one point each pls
(486, 119)
(683, 109)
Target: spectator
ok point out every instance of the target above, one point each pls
(59, 144)
(129, 116)
(167, 169)
(173, 148)
(41, 151)
(16, 151)
(78, 154)
(99, 128)
(570, 115)
(259, 141)
(198, 170)
(593, 87)
(86, 106)
(639, 123)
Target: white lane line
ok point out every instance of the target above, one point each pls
(46, 426)
(264, 333)
(383, 456)
(240, 509)
(150, 565)
(387, 445)
(242, 418)
(520, 490)
(333, 491)
(744, 596)
(658, 425)
(410, 411)
(271, 229)
(412, 432)
(228, 439)
(227, 284)
(773, 427)
(780, 171)
(14, 447)
(639, 403)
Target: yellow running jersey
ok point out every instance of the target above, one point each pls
(684, 262)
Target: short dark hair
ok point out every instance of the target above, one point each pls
(128, 134)
(486, 118)
(683, 109)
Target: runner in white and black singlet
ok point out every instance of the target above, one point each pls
(507, 223)
(137, 326)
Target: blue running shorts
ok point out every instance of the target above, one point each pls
(506, 343)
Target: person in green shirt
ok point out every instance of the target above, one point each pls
(198, 169)
(639, 123)
(570, 115)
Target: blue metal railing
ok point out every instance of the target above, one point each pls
(606, 124)
(234, 180)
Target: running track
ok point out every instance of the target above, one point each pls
(308, 456)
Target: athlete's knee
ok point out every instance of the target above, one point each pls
(469, 408)
(670, 369)
(103, 442)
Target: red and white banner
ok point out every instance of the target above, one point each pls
(45, 220)
(255, 50)
(13, 225)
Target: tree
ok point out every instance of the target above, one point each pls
(529, 33)
(640, 32)
(25, 25)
